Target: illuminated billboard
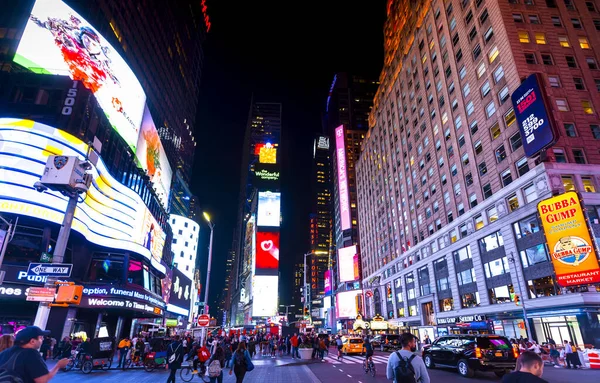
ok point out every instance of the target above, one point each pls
(152, 158)
(180, 295)
(572, 248)
(264, 292)
(342, 178)
(269, 209)
(267, 253)
(346, 305)
(110, 215)
(267, 154)
(57, 40)
(327, 277)
(266, 176)
(346, 270)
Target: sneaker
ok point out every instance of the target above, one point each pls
(195, 372)
(557, 366)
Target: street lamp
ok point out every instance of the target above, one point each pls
(210, 244)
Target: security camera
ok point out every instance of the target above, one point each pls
(40, 187)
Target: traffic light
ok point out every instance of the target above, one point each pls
(517, 299)
(306, 312)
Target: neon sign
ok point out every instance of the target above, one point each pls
(342, 178)
(205, 13)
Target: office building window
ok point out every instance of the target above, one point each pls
(491, 242)
(470, 300)
(526, 226)
(492, 214)
(522, 166)
(496, 267)
(501, 294)
(559, 155)
(570, 129)
(579, 156)
(513, 202)
(530, 193)
(506, 177)
(588, 184)
(534, 255)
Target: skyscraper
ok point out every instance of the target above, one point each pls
(258, 213)
(446, 193)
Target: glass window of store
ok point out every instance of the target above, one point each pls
(496, 267)
(534, 255)
(512, 328)
(501, 294)
(470, 300)
(424, 282)
(462, 254)
(559, 328)
(106, 268)
(526, 226)
(491, 242)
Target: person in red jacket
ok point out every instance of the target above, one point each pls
(294, 342)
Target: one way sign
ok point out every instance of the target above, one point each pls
(50, 269)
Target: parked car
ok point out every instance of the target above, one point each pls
(470, 353)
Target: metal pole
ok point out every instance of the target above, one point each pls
(41, 318)
(525, 320)
(210, 244)
(7, 238)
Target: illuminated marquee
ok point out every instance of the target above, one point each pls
(342, 178)
(111, 214)
(267, 154)
(571, 246)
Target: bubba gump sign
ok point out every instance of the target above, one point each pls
(569, 241)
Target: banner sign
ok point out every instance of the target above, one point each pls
(571, 246)
(532, 116)
(122, 298)
(342, 177)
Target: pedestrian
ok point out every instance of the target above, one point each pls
(404, 366)
(6, 342)
(535, 347)
(340, 345)
(174, 358)
(45, 349)
(322, 348)
(568, 354)
(294, 341)
(241, 363)
(123, 347)
(23, 360)
(575, 356)
(530, 368)
(554, 354)
(427, 340)
(216, 364)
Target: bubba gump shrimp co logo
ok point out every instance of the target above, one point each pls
(571, 250)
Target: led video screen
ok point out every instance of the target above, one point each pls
(111, 215)
(344, 196)
(346, 270)
(269, 209)
(57, 40)
(152, 158)
(267, 253)
(345, 304)
(264, 292)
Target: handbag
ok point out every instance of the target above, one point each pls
(249, 364)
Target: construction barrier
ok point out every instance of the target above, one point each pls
(594, 359)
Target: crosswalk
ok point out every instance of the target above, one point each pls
(352, 359)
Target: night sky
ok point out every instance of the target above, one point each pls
(281, 54)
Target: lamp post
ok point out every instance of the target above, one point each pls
(206, 286)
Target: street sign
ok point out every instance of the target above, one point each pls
(41, 294)
(50, 269)
(46, 258)
(203, 320)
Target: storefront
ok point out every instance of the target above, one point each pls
(464, 324)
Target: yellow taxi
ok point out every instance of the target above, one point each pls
(352, 345)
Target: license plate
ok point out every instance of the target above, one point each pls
(499, 353)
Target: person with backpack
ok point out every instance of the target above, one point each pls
(241, 363)
(23, 361)
(404, 366)
(174, 358)
(216, 364)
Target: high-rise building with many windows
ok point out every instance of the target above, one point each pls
(450, 237)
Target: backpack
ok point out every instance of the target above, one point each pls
(7, 375)
(239, 360)
(173, 356)
(214, 369)
(404, 371)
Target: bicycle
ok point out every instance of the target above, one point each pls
(187, 372)
(369, 366)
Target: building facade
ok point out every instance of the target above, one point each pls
(450, 237)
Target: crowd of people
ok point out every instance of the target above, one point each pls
(560, 356)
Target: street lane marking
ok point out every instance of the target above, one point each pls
(349, 375)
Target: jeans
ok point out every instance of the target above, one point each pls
(172, 374)
(218, 379)
(239, 374)
(295, 352)
(122, 355)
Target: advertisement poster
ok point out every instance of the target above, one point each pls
(266, 176)
(264, 292)
(112, 215)
(532, 116)
(267, 154)
(267, 253)
(269, 209)
(327, 283)
(181, 294)
(345, 304)
(572, 249)
(342, 177)
(152, 158)
(59, 41)
(346, 271)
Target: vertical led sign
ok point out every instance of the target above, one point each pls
(342, 177)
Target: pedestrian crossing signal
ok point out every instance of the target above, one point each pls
(69, 294)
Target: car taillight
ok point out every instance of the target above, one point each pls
(478, 353)
(516, 352)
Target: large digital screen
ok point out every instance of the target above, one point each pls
(153, 159)
(342, 178)
(346, 305)
(181, 294)
(346, 270)
(264, 293)
(269, 209)
(111, 214)
(267, 253)
(327, 285)
(572, 248)
(532, 116)
(57, 40)
(267, 154)
(266, 176)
